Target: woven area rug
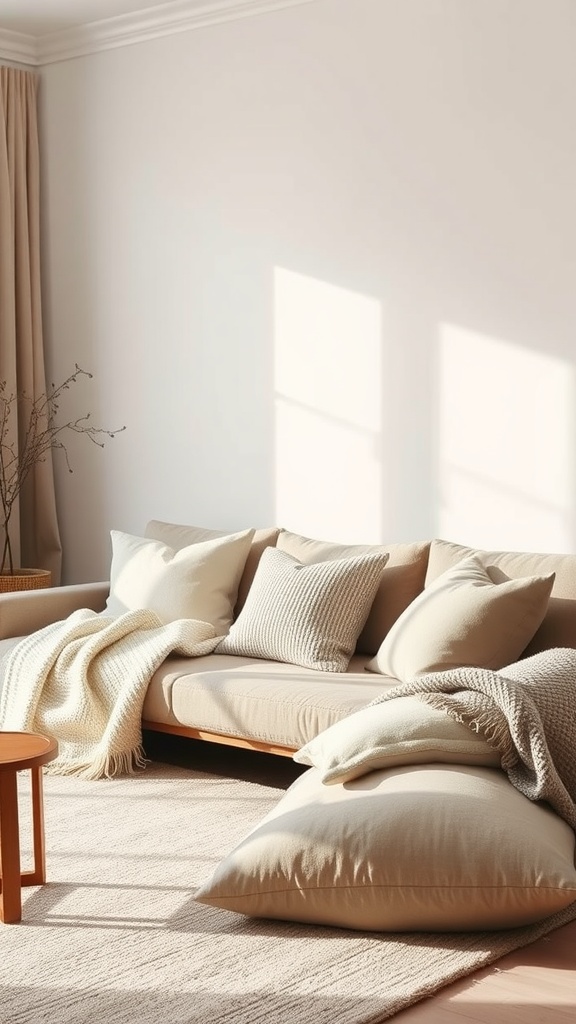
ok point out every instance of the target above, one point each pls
(116, 936)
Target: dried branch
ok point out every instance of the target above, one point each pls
(29, 429)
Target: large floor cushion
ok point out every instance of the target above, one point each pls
(430, 847)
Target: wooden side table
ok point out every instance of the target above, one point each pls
(20, 751)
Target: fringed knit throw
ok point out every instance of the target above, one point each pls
(527, 711)
(83, 681)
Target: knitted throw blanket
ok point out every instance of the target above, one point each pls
(527, 711)
(83, 681)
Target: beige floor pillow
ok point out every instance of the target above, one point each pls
(425, 848)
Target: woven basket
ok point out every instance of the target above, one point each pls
(24, 579)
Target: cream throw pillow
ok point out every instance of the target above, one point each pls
(401, 731)
(196, 582)
(179, 536)
(308, 615)
(425, 848)
(470, 615)
(558, 627)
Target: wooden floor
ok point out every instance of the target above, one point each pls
(534, 985)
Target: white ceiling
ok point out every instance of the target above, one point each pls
(40, 17)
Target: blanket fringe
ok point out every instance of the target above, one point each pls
(56, 677)
(107, 766)
(492, 726)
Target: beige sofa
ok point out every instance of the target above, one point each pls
(278, 707)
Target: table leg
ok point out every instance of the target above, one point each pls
(10, 897)
(38, 875)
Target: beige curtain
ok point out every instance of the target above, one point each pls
(34, 532)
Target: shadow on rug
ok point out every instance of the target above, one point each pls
(116, 935)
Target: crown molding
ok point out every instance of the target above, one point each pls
(128, 29)
(17, 47)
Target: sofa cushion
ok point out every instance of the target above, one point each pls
(423, 848)
(402, 581)
(401, 731)
(180, 536)
(558, 627)
(470, 615)
(197, 582)
(309, 615)
(252, 699)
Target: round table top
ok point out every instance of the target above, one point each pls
(25, 750)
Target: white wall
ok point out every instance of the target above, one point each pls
(322, 264)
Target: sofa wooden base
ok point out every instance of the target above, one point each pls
(214, 737)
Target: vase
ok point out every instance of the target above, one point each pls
(24, 579)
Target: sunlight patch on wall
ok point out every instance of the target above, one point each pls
(327, 379)
(505, 444)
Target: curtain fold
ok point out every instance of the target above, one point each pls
(34, 531)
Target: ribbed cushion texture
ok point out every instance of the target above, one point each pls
(308, 615)
(399, 585)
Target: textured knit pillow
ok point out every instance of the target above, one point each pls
(424, 848)
(197, 582)
(405, 730)
(470, 615)
(399, 585)
(308, 615)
